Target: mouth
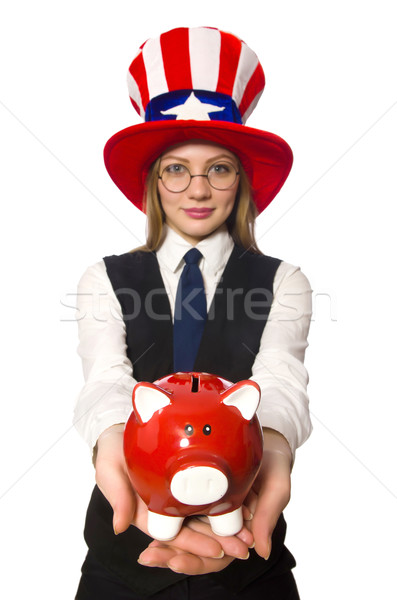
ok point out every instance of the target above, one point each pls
(199, 212)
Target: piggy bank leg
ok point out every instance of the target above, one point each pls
(163, 527)
(227, 524)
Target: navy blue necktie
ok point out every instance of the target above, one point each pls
(190, 313)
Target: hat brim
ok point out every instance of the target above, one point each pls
(266, 158)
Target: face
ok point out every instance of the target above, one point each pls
(199, 210)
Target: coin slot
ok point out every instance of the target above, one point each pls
(195, 384)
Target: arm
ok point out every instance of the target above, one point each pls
(284, 414)
(278, 367)
(100, 413)
(284, 408)
(271, 491)
(105, 399)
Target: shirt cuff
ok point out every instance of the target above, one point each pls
(296, 432)
(99, 407)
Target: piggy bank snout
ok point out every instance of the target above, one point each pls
(199, 485)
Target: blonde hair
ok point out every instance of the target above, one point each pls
(240, 223)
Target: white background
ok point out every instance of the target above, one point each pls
(331, 93)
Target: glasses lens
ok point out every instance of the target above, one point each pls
(222, 175)
(176, 178)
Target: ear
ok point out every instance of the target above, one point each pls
(245, 396)
(147, 399)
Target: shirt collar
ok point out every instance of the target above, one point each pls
(215, 248)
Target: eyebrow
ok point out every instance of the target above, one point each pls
(210, 160)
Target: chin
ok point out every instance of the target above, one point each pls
(201, 232)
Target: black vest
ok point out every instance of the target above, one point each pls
(228, 348)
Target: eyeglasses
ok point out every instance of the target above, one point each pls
(220, 176)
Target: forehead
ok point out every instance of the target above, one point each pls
(198, 150)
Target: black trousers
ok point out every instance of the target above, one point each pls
(99, 584)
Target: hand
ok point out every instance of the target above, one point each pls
(271, 491)
(189, 552)
(195, 549)
(267, 499)
(113, 481)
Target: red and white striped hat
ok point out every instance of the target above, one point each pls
(196, 84)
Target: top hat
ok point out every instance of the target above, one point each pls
(196, 84)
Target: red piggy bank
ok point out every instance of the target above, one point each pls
(193, 445)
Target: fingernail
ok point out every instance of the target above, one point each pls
(146, 563)
(221, 555)
(245, 557)
(114, 523)
(174, 569)
(251, 516)
(252, 545)
(269, 552)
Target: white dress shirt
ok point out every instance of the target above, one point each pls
(278, 367)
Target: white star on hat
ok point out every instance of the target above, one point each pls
(193, 109)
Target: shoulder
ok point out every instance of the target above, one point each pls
(254, 257)
(255, 261)
(130, 269)
(257, 269)
(290, 277)
(135, 257)
(94, 277)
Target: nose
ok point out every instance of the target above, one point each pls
(198, 485)
(199, 188)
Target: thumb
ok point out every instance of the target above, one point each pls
(117, 489)
(273, 494)
(114, 483)
(123, 503)
(267, 512)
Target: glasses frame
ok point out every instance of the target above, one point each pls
(206, 175)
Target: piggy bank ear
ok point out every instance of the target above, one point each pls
(245, 396)
(148, 399)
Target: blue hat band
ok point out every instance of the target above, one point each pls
(198, 105)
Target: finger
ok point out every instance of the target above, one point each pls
(247, 514)
(244, 534)
(116, 487)
(269, 507)
(236, 546)
(250, 503)
(196, 565)
(155, 544)
(157, 555)
(197, 541)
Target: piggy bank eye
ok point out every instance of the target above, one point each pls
(207, 429)
(189, 430)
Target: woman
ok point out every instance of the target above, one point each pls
(201, 176)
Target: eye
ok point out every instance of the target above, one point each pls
(222, 168)
(175, 169)
(207, 429)
(189, 430)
